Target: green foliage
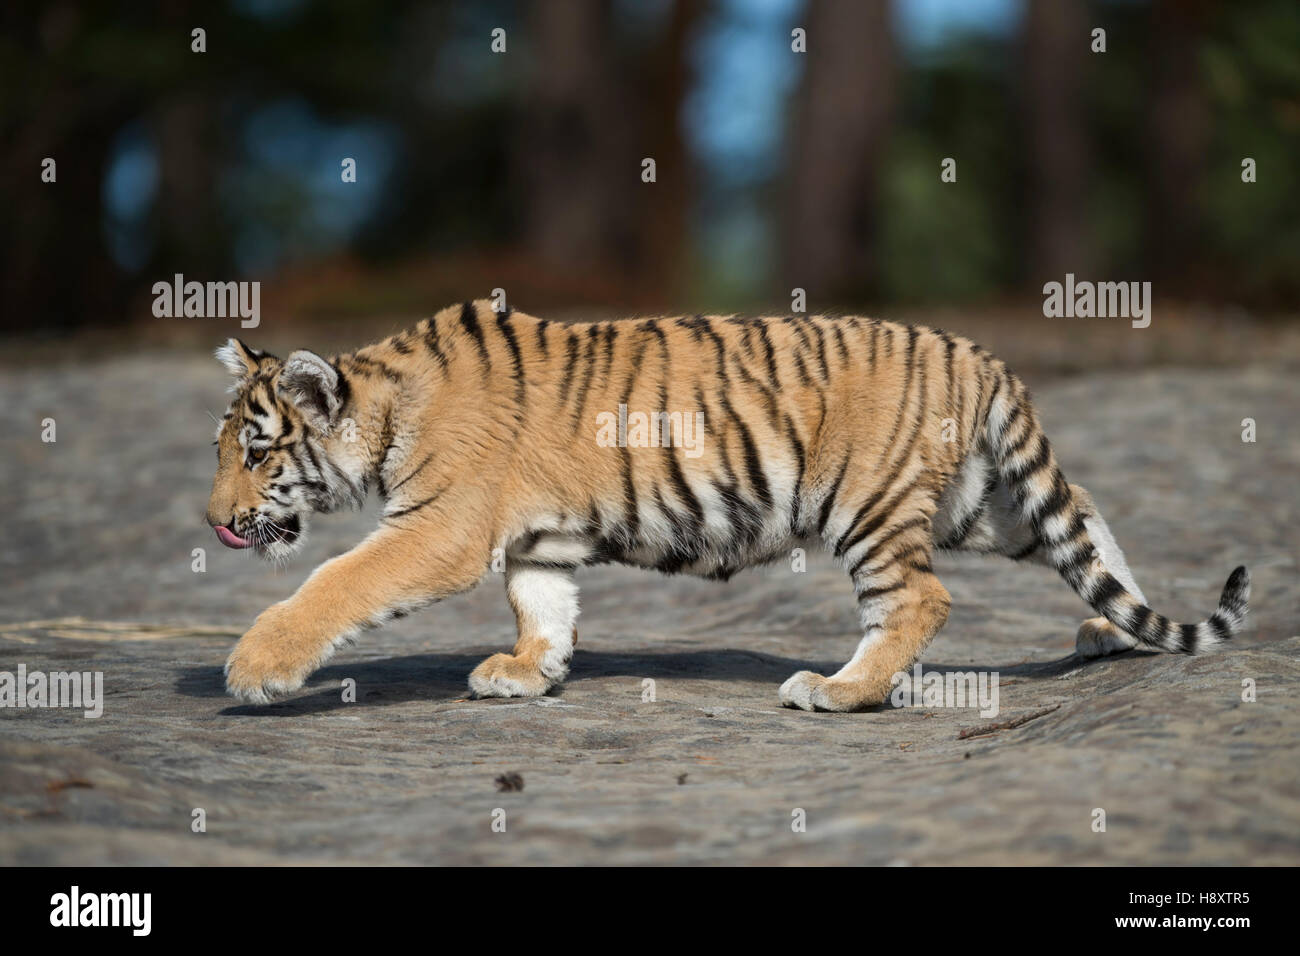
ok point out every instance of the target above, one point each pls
(1252, 72)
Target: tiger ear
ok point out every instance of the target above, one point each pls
(239, 360)
(314, 387)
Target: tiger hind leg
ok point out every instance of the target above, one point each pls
(903, 606)
(545, 602)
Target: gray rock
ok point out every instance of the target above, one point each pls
(102, 523)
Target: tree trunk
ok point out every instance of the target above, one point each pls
(575, 138)
(1179, 124)
(1057, 40)
(843, 115)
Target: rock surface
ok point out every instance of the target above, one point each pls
(102, 524)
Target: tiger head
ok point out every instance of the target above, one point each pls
(280, 455)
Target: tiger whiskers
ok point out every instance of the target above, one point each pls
(269, 533)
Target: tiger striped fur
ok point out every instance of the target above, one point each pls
(881, 442)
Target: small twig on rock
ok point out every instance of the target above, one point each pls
(510, 782)
(1006, 724)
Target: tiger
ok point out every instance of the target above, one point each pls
(480, 431)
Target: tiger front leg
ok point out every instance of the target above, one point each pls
(545, 602)
(395, 568)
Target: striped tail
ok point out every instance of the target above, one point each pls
(1025, 462)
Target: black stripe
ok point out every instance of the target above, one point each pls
(548, 565)
(516, 357)
(1013, 416)
(1058, 501)
(997, 389)
(909, 368)
(571, 361)
(593, 333)
(1024, 552)
(839, 343)
(821, 350)
(311, 456)
(432, 344)
(469, 321)
(1025, 438)
(415, 507)
(884, 511)
(918, 522)
(681, 488)
(795, 323)
(1018, 476)
(753, 463)
(829, 502)
(871, 353)
(906, 557)
(1105, 589)
(368, 366)
(893, 559)
(611, 332)
(686, 543)
(950, 371)
(651, 326)
(770, 353)
(802, 369)
(418, 468)
(746, 339)
(699, 328)
(968, 523)
(769, 397)
(745, 521)
(795, 494)
(901, 460)
(1072, 564)
(869, 593)
(1138, 622)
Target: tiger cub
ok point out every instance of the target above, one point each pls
(499, 434)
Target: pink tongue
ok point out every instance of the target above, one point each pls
(232, 540)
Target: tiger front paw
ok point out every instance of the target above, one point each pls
(265, 664)
(504, 675)
(807, 690)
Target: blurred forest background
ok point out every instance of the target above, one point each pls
(522, 169)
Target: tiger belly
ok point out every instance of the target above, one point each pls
(664, 542)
